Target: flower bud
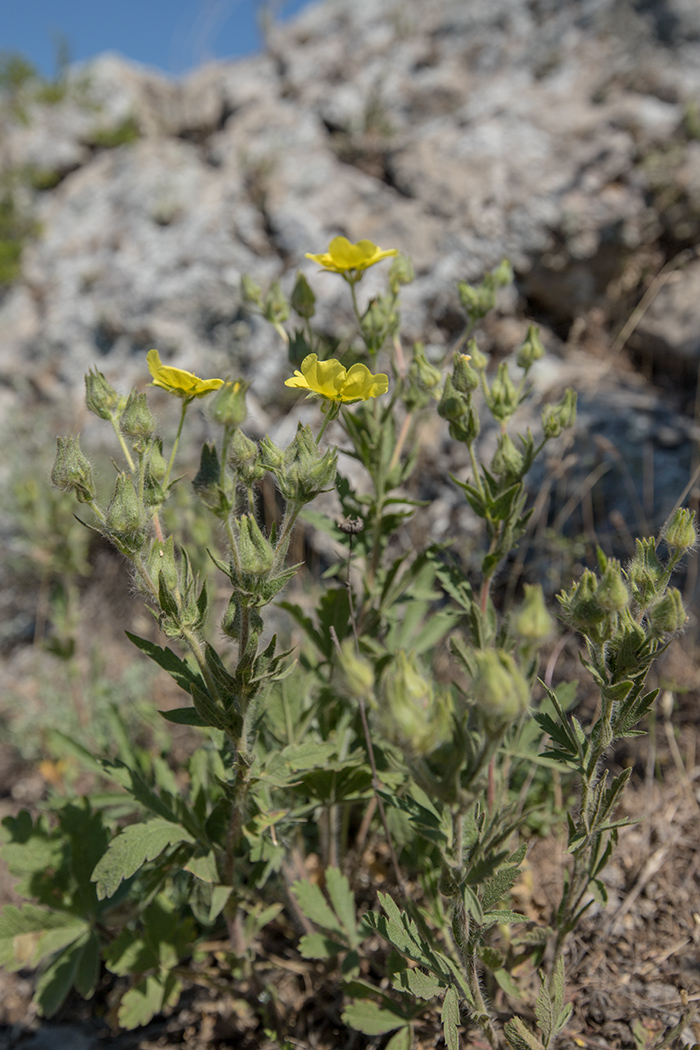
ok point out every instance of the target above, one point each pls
(246, 458)
(556, 418)
(305, 471)
(500, 691)
(679, 532)
(503, 274)
(255, 551)
(532, 620)
(137, 421)
(250, 291)
(275, 307)
(303, 299)
(464, 378)
(72, 471)
(668, 615)
(508, 461)
(645, 573)
(502, 398)
(623, 652)
(125, 517)
(271, 456)
(156, 461)
(298, 349)
(580, 605)
(229, 407)
(401, 272)
(100, 396)
(479, 360)
(478, 299)
(357, 671)
(612, 593)
(531, 350)
(424, 380)
(379, 320)
(415, 715)
(160, 560)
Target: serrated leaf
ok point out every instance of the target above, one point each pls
(167, 659)
(343, 901)
(203, 868)
(219, 897)
(418, 983)
(146, 999)
(131, 849)
(450, 1019)
(319, 946)
(503, 917)
(58, 978)
(402, 1040)
(372, 1019)
(520, 1037)
(29, 933)
(209, 711)
(315, 907)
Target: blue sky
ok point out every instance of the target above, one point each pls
(172, 35)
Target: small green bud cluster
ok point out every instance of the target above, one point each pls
(679, 533)
(556, 418)
(531, 350)
(423, 381)
(508, 462)
(379, 322)
(400, 272)
(592, 606)
(456, 406)
(480, 299)
(502, 396)
(302, 471)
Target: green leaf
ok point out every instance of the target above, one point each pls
(450, 1019)
(372, 1019)
(141, 1003)
(419, 984)
(219, 897)
(203, 867)
(184, 716)
(58, 978)
(315, 907)
(29, 934)
(503, 917)
(209, 711)
(402, 1040)
(520, 1037)
(130, 850)
(343, 901)
(167, 659)
(319, 946)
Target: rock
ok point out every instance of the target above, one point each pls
(669, 331)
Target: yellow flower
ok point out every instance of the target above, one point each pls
(331, 380)
(176, 381)
(344, 257)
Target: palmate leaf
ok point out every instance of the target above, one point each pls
(30, 933)
(77, 965)
(373, 1019)
(147, 998)
(132, 848)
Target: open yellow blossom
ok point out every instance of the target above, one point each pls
(331, 380)
(346, 258)
(176, 381)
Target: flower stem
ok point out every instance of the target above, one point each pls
(166, 479)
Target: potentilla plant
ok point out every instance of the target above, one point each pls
(353, 740)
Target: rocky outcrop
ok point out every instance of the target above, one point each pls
(460, 132)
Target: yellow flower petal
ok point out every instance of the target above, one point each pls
(177, 381)
(344, 257)
(332, 381)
